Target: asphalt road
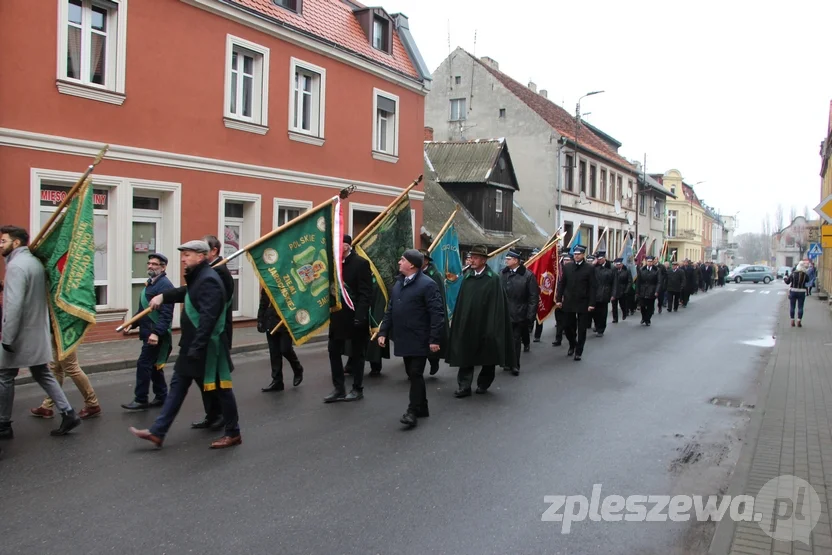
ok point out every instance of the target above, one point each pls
(635, 415)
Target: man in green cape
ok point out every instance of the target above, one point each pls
(430, 270)
(481, 331)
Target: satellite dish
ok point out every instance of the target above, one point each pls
(618, 207)
(629, 219)
(582, 197)
(629, 193)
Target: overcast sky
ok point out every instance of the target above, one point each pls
(727, 92)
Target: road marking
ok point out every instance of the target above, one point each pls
(781, 292)
(748, 291)
(731, 289)
(765, 292)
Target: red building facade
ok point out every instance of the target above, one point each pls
(224, 117)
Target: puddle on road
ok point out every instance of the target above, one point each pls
(761, 342)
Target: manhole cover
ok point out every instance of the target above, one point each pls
(731, 403)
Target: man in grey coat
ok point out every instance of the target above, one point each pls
(25, 333)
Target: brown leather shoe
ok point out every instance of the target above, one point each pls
(42, 412)
(89, 412)
(146, 435)
(226, 441)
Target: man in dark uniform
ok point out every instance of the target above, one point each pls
(576, 295)
(674, 286)
(481, 330)
(350, 325)
(204, 357)
(430, 270)
(691, 281)
(280, 345)
(605, 276)
(560, 315)
(622, 285)
(649, 283)
(523, 294)
(663, 270)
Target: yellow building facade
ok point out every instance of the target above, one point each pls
(824, 262)
(685, 219)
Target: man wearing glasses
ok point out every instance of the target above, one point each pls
(155, 335)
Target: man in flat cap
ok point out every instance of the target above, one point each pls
(649, 283)
(348, 327)
(204, 357)
(523, 294)
(430, 270)
(481, 329)
(576, 294)
(606, 281)
(622, 285)
(414, 320)
(155, 335)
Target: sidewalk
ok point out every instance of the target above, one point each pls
(120, 355)
(789, 433)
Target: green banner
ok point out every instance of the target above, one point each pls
(296, 268)
(67, 252)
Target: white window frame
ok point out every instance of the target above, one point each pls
(391, 157)
(303, 205)
(249, 294)
(460, 102)
(116, 57)
(672, 223)
(258, 123)
(363, 208)
(316, 135)
(498, 202)
(120, 209)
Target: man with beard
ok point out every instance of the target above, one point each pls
(430, 270)
(560, 315)
(155, 335)
(674, 286)
(622, 285)
(351, 327)
(605, 276)
(25, 340)
(204, 357)
(649, 284)
(481, 330)
(577, 293)
(523, 294)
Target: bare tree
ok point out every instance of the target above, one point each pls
(753, 247)
(806, 212)
(792, 214)
(799, 234)
(778, 217)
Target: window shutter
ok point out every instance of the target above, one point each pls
(386, 104)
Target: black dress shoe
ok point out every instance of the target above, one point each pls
(460, 393)
(136, 406)
(536, 340)
(577, 357)
(274, 386)
(156, 402)
(408, 419)
(527, 348)
(335, 396)
(206, 423)
(506, 368)
(422, 412)
(354, 395)
(615, 321)
(570, 352)
(298, 379)
(647, 324)
(515, 371)
(481, 390)
(6, 432)
(434, 369)
(69, 421)
(556, 343)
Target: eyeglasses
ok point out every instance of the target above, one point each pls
(5, 241)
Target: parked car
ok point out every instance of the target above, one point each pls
(782, 271)
(754, 274)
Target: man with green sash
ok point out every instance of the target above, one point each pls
(155, 335)
(204, 356)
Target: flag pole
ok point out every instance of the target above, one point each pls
(443, 230)
(544, 250)
(624, 245)
(606, 229)
(69, 196)
(506, 247)
(384, 212)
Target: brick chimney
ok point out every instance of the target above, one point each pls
(532, 86)
(490, 62)
(544, 93)
(429, 133)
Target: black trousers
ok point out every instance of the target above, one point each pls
(415, 367)
(560, 324)
(280, 346)
(576, 325)
(673, 301)
(520, 332)
(465, 377)
(527, 334)
(622, 302)
(434, 362)
(648, 307)
(631, 300)
(538, 329)
(685, 297)
(599, 316)
(355, 361)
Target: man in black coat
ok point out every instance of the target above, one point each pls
(415, 320)
(560, 315)
(576, 294)
(523, 295)
(676, 283)
(203, 355)
(433, 273)
(622, 285)
(691, 281)
(649, 284)
(663, 271)
(351, 326)
(280, 345)
(605, 276)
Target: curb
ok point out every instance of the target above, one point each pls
(724, 534)
(125, 364)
